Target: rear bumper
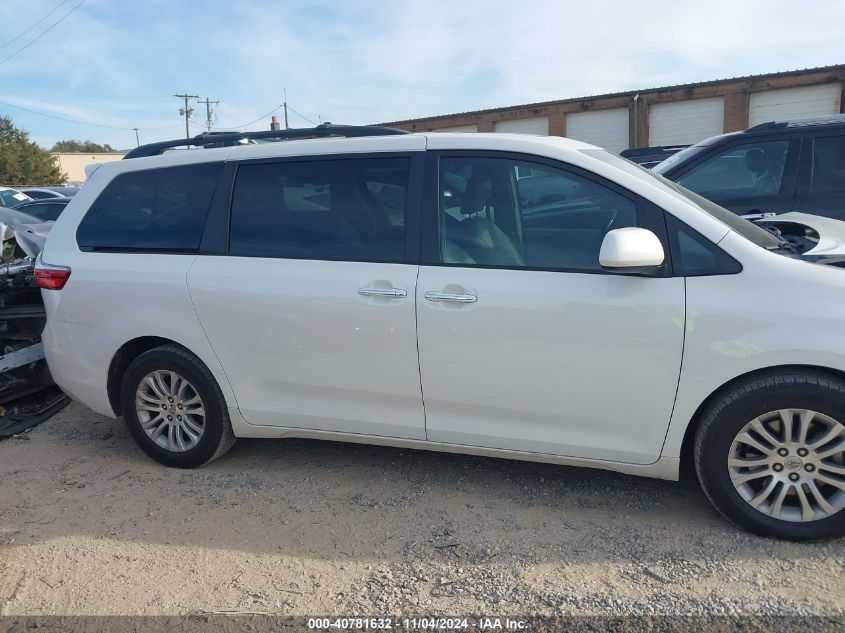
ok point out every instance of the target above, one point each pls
(76, 355)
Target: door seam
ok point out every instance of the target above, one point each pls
(205, 334)
(680, 375)
(419, 365)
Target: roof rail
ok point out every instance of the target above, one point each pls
(216, 139)
(803, 122)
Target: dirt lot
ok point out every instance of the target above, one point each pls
(89, 525)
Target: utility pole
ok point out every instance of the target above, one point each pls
(208, 111)
(187, 111)
(137, 140)
(285, 104)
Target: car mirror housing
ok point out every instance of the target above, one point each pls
(631, 249)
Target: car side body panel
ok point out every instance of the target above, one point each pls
(305, 346)
(728, 329)
(732, 328)
(84, 332)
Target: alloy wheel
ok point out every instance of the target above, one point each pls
(790, 464)
(170, 410)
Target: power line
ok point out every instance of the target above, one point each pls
(301, 116)
(43, 33)
(100, 125)
(263, 116)
(33, 25)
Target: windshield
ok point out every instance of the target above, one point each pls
(11, 197)
(748, 230)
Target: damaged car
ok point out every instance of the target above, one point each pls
(23, 370)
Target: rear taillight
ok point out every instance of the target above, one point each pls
(51, 277)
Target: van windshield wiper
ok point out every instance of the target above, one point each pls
(783, 244)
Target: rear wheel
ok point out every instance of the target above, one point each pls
(174, 408)
(770, 455)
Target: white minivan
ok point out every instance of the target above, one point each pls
(514, 296)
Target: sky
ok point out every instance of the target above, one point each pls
(112, 65)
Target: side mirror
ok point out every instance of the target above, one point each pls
(631, 249)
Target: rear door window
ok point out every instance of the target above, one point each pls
(829, 164)
(336, 209)
(155, 209)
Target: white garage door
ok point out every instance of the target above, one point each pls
(457, 128)
(605, 128)
(794, 103)
(537, 125)
(685, 122)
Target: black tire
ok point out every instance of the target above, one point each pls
(725, 417)
(217, 437)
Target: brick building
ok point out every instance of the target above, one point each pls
(674, 115)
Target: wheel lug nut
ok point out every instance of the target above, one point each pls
(170, 418)
(179, 417)
(777, 467)
(783, 452)
(178, 406)
(170, 399)
(794, 477)
(163, 406)
(802, 452)
(809, 468)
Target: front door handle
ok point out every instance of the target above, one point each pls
(396, 293)
(450, 297)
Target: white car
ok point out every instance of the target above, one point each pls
(397, 289)
(12, 197)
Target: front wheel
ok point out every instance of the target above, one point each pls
(770, 455)
(174, 408)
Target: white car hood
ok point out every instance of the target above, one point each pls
(831, 232)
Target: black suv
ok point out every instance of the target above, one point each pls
(771, 168)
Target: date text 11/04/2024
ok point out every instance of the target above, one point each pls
(418, 624)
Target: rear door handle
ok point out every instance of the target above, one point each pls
(449, 297)
(383, 292)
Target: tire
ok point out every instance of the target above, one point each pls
(150, 377)
(783, 404)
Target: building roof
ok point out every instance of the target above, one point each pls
(627, 93)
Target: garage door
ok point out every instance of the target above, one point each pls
(794, 103)
(537, 125)
(605, 128)
(457, 128)
(685, 122)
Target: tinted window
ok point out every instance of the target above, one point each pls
(39, 195)
(694, 255)
(321, 209)
(10, 197)
(742, 171)
(502, 212)
(44, 210)
(829, 164)
(156, 209)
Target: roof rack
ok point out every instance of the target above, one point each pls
(804, 122)
(217, 139)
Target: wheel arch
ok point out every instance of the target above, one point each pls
(686, 455)
(124, 356)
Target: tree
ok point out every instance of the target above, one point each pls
(86, 146)
(23, 162)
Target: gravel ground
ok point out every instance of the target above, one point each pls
(90, 526)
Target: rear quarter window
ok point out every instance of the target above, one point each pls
(155, 209)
